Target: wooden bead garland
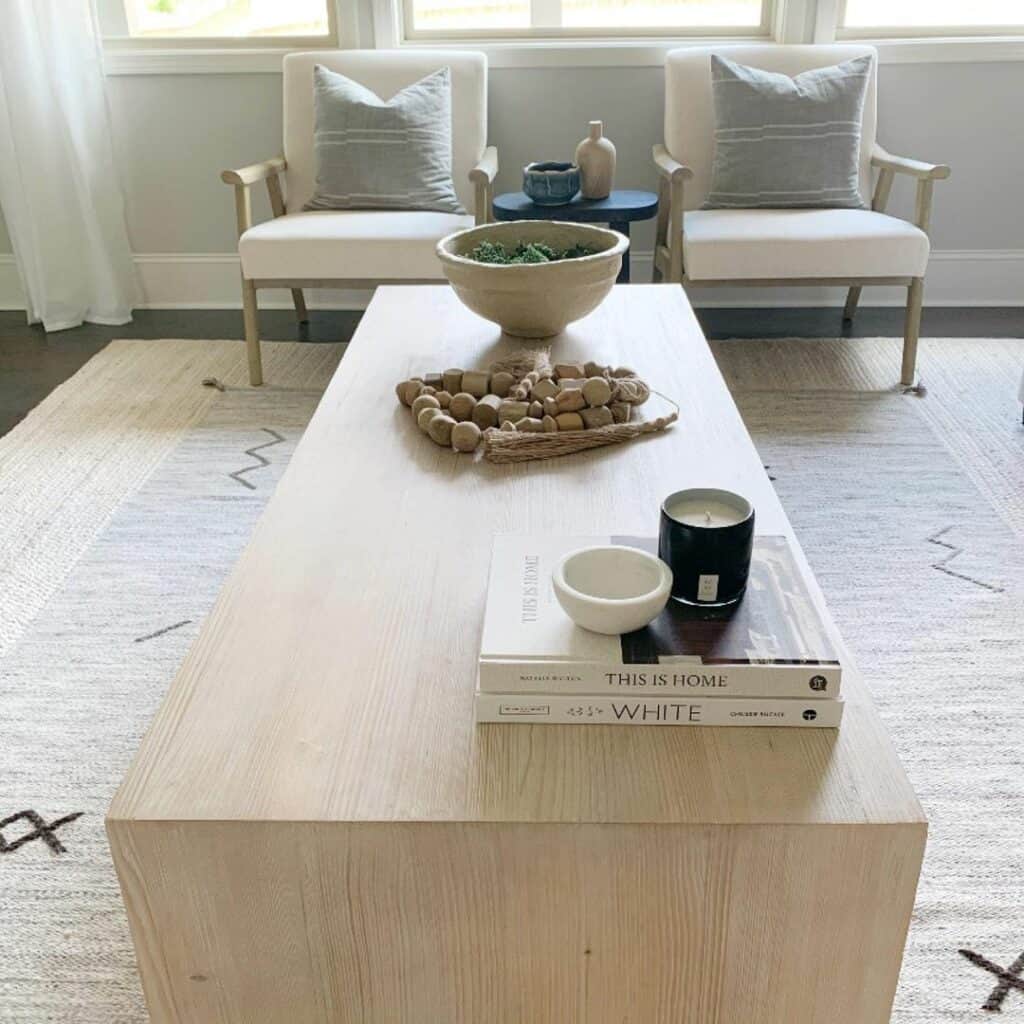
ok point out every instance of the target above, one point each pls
(461, 406)
(486, 412)
(425, 416)
(440, 429)
(465, 437)
(525, 408)
(424, 402)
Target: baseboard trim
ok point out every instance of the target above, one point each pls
(956, 277)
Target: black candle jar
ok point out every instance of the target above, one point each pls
(706, 536)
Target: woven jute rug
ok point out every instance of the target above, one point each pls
(126, 497)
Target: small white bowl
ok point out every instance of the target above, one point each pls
(612, 589)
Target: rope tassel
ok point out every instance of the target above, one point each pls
(503, 446)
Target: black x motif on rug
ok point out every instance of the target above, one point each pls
(40, 830)
(1009, 978)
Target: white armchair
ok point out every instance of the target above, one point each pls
(784, 247)
(299, 248)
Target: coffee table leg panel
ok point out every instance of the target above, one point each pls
(317, 922)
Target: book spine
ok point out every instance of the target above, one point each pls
(541, 709)
(803, 681)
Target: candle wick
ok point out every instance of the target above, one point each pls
(707, 516)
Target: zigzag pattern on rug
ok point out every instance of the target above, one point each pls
(254, 453)
(943, 564)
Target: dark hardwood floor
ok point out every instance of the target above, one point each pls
(33, 363)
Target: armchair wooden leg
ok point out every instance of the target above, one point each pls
(912, 331)
(250, 316)
(852, 298)
(657, 275)
(300, 306)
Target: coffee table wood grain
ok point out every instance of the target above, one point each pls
(314, 829)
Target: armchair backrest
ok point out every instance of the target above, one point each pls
(689, 111)
(385, 72)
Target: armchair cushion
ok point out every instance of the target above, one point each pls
(348, 245)
(737, 245)
(787, 142)
(374, 154)
(385, 72)
(689, 111)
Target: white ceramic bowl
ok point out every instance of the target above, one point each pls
(533, 300)
(612, 589)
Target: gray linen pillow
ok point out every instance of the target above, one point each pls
(787, 142)
(373, 154)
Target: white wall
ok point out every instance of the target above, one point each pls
(175, 133)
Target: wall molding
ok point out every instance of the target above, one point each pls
(977, 49)
(956, 277)
(543, 53)
(540, 53)
(181, 61)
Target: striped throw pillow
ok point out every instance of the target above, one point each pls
(374, 154)
(787, 142)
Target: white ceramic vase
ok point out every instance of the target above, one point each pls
(595, 157)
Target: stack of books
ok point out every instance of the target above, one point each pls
(770, 660)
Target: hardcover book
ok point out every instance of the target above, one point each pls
(773, 644)
(581, 709)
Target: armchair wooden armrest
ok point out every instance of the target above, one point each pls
(926, 174)
(670, 167)
(244, 177)
(482, 176)
(885, 160)
(254, 172)
(486, 167)
(668, 243)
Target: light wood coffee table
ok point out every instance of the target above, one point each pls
(315, 830)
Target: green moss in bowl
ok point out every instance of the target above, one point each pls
(525, 252)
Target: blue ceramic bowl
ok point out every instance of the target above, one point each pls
(551, 183)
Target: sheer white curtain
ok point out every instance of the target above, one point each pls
(59, 192)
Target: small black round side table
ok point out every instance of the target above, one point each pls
(617, 211)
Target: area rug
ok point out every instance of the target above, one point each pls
(910, 509)
(95, 438)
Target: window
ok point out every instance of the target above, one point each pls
(582, 17)
(932, 17)
(227, 19)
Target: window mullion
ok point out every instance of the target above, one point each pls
(792, 21)
(826, 21)
(545, 13)
(388, 17)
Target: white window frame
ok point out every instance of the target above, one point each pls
(545, 25)
(791, 22)
(330, 37)
(919, 31)
(134, 55)
(379, 23)
(914, 45)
